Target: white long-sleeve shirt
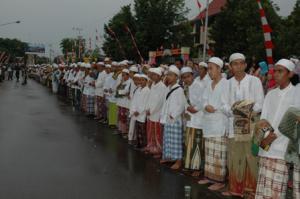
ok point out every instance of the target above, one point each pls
(174, 106)
(216, 124)
(89, 89)
(99, 91)
(79, 77)
(109, 84)
(123, 101)
(249, 88)
(156, 100)
(196, 91)
(276, 103)
(138, 105)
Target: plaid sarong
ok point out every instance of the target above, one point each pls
(140, 132)
(90, 105)
(123, 119)
(101, 108)
(83, 102)
(296, 181)
(272, 179)
(215, 158)
(172, 141)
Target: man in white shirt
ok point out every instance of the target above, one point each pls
(273, 170)
(122, 95)
(194, 143)
(242, 165)
(215, 125)
(101, 113)
(138, 111)
(110, 92)
(77, 85)
(171, 118)
(154, 105)
(203, 77)
(89, 91)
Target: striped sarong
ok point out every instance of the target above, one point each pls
(154, 137)
(272, 179)
(101, 108)
(83, 103)
(194, 149)
(215, 159)
(172, 141)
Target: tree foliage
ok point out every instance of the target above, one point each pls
(238, 28)
(14, 47)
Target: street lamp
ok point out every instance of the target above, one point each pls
(4, 24)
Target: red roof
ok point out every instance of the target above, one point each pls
(214, 8)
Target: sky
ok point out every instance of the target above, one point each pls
(48, 21)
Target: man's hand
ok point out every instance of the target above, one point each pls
(191, 109)
(210, 109)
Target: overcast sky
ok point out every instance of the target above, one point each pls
(48, 21)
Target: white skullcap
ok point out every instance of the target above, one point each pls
(174, 69)
(88, 65)
(82, 65)
(236, 56)
(288, 64)
(157, 71)
(125, 71)
(106, 59)
(203, 64)
(114, 63)
(55, 66)
(134, 69)
(216, 60)
(101, 63)
(107, 66)
(137, 75)
(79, 63)
(144, 76)
(186, 69)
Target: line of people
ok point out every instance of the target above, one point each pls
(226, 132)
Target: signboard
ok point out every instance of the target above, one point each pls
(35, 48)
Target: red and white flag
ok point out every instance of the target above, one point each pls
(198, 4)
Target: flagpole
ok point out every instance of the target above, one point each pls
(205, 31)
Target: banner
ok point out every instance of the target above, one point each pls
(35, 48)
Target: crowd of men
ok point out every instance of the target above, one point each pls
(229, 128)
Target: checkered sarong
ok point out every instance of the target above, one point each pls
(90, 105)
(296, 181)
(101, 107)
(141, 134)
(215, 158)
(172, 141)
(272, 179)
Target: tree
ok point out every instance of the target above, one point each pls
(161, 23)
(155, 23)
(238, 29)
(14, 47)
(68, 45)
(292, 31)
(117, 24)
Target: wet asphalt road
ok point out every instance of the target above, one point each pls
(47, 151)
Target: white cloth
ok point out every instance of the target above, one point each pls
(109, 85)
(216, 124)
(195, 92)
(124, 100)
(156, 100)
(275, 106)
(99, 91)
(78, 80)
(249, 88)
(174, 106)
(204, 82)
(89, 89)
(139, 105)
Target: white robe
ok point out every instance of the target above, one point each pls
(138, 105)
(216, 124)
(156, 100)
(275, 106)
(99, 91)
(124, 100)
(174, 106)
(249, 88)
(89, 89)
